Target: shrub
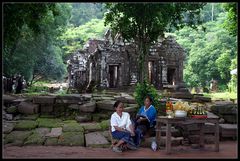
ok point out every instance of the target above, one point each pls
(144, 89)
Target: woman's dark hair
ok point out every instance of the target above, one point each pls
(149, 97)
(117, 103)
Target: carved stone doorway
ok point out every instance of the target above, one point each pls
(171, 76)
(113, 76)
(150, 71)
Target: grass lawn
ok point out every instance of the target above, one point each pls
(221, 95)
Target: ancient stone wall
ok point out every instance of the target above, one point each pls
(110, 63)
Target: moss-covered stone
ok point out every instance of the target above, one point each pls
(71, 139)
(72, 127)
(17, 137)
(90, 127)
(35, 138)
(25, 125)
(105, 124)
(59, 109)
(100, 116)
(51, 141)
(69, 121)
(49, 123)
(8, 127)
(30, 117)
(68, 116)
(46, 116)
(12, 109)
(42, 131)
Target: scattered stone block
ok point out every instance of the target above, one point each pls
(55, 132)
(71, 139)
(228, 130)
(17, 137)
(83, 118)
(42, 131)
(106, 105)
(12, 110)
(96, 139)
(46, 108)
(25, 125)
(44, 99)
(88, 107)
(30, 117)
(49, 123)
(91, 127)
(28, 108)
(8, 127)
(51, 141)
(72, 127)
(35, 139)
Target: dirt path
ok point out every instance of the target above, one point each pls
(228, 149)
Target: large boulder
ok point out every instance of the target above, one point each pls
(8, 127)
(106, 105)
(96, 139)
(55, 132)
(28, 108)
(8, 98)
(44, 99)
(70, 99)
(88, 107)
(25, 125)
(17, 137)
(71, 139)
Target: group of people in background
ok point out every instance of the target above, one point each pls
(130, 131)
(14, 84)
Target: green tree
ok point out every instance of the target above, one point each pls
(223, 63)
(231, 22)
(145, 22)
(34, 43)
(209, 53)
(76, 37)
(84, 12)
(16, 15)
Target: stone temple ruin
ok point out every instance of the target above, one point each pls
(111, 63)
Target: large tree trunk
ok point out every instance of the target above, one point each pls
(143, 59)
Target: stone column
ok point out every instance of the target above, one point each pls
(120, 75)
(103, 77)
(164, 72)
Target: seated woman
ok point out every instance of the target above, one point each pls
(122, 128)
(145, 119)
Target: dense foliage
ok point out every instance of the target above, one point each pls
(145, 89)
(31, 47)
(76, 37)
(85, 12)
(210, 53)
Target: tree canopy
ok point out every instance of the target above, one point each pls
(231, 22)
(210, 53)
(30, 35)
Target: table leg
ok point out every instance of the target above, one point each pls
(158, 133)
(168, 138)
(217, 136)
(201, 139)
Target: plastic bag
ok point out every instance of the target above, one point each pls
(154, 145)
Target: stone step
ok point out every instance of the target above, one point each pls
(96, 139)
(228, 130)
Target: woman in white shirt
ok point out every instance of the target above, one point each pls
(122, 127)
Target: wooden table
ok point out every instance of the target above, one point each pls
(211, 118)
